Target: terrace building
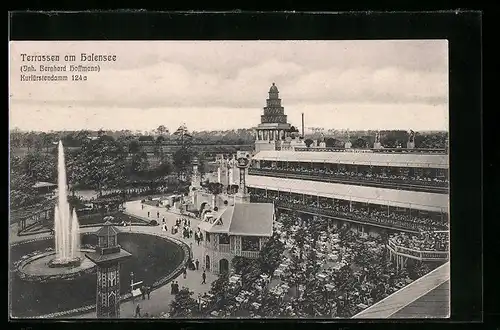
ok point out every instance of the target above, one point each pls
(372, 190)
(241, 229)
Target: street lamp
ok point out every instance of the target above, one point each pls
(228, 165)
(132, 283)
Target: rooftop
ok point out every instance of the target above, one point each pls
(243, 219)
(107, 229)
(427, 297)
(419, 160)
(42, 184)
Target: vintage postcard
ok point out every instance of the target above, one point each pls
(227, 179)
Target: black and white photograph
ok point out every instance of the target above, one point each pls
(298, 179)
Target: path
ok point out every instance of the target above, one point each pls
(161, 297)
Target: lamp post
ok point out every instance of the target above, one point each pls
(228, 166)
(132, 283)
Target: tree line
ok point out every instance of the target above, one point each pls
(99, 164)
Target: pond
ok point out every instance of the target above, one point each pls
(152, 258)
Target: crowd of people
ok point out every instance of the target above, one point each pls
(368, 175)
(373, 215)
(425, 241)
(325, 272)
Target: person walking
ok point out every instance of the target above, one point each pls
(184, 272)
(143, 292)
(172, 287)
(204, 278)
(148, 290)
(163, 220)
(148, 214)
(197, 263)
(138, 311)
(158, 214)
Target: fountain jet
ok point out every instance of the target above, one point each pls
(66, 226)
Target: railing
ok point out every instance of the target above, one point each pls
(250, 254)
(424, 186)
(224, 248)
(417, 254)
(379, 221)
(385, 150)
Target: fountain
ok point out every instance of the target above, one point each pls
(66, 227)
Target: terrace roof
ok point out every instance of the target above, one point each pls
(416, 160)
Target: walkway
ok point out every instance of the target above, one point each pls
(161, 297)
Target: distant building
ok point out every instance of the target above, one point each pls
(237, 230)
(44, 187)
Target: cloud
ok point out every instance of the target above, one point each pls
(170, 84)
(237, 75)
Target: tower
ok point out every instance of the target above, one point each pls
(273, 127)
(195, 176)
(242, 196)
(377, 144)
(348, 143)
(108, 257)
(411, 140)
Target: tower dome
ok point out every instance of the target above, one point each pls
(273, 89)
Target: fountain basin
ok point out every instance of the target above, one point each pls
(44, 267)
(65, 263)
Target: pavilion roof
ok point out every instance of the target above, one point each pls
(107, 230)
(42, 184)
(417, 160)
(242, 219)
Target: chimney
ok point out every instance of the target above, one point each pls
(302, 124)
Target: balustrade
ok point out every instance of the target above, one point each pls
(379, 220)
(417, 254)
(225, 248)
(415, 185)
(250, 254)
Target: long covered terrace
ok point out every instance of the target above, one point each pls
(357, 168)
(413, 200)
(385, 216)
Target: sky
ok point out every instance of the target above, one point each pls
(219, 85)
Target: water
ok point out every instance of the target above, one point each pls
(66, 226)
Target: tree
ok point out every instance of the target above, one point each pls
(22, 192)
(161, 130)
(250, 272)
(134, 147)
(104, 163)
(139, 163)
(239, 264)
(215, 189)
(182, 160)
(360, 143)
(184, 305)
(308, 142)
(271, 255)
(300, 238)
